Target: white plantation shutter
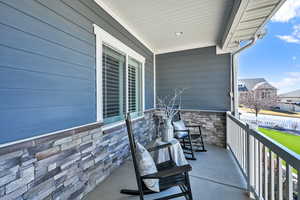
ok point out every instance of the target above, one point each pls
(134, 86)
(113, 86)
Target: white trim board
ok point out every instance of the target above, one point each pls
(106, 38)
(125, 25)
(103, 37)
(154, 80)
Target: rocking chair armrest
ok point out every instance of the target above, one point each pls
(168, 172)
(193, 126)
(187, 130)
(156, 148)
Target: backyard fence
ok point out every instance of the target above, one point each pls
(287, 123)
(269, 168)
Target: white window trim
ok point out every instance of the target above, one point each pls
(103, 37)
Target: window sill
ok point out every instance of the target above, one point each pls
(118, 125)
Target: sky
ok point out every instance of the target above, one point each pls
(277, 56)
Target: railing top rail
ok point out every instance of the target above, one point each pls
(286, 154)
(236, 120)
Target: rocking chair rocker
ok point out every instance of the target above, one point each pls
(169, 174)
(189, 142)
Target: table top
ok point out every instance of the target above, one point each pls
(159, 141)
(162, 155)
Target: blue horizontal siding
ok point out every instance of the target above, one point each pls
(16, 39)
(29, 24)
(47, 65)
(38, 63)
(204, 75)
(23, 123)
(40, 99)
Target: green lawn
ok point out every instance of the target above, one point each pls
(288, 140)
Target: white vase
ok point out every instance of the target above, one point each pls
(168, 131)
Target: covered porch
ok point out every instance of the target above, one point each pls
(71, 69)
(215, 175)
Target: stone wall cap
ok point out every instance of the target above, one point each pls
(206, 111)
(32, 141)
(121, 125)
(150, 110)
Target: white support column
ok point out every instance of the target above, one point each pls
(154, 80)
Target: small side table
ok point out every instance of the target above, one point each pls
(176, 152)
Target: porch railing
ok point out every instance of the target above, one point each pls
(269, 168)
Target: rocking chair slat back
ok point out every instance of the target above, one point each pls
(133, 151)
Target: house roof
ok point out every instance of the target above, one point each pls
(295, 93)
(253, 84)
(203, 23)
(264, 85)
(249, 84)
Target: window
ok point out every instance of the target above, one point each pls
(120, 79)
(134, 86)
(113, 85)
(263, 95)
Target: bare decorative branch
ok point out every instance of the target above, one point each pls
(167, 104)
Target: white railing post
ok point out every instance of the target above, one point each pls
(260, 171)
(265, 173)
(248, 158)
(298, 183)
(251, 162)
(255, 154)
(279, 178)
(271, 177)
(289, 183)
(228, 129)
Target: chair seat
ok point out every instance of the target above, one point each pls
(166, 183)
(181, 134)
(165, 165)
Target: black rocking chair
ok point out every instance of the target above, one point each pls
(190, 142)
(169, 174)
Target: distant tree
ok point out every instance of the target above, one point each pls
(257, 102)
(294, 125)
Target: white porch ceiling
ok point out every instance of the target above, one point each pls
(221, 23)
(155, 22)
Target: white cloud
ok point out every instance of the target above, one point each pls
(289, 10)
(296, 32)
(289, 38)
(294, 37)
(289, 83)
(294, 58)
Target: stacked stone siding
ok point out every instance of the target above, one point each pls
(213, 125)
(69, 164)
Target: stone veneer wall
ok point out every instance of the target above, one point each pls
(69, 164)
(213, 125)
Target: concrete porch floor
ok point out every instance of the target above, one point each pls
(214, 176)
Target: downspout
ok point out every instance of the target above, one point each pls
(234, 73)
